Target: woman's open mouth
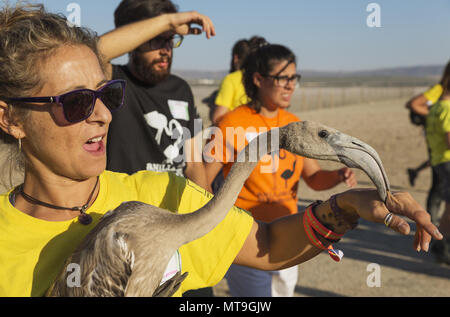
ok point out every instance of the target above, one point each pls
(95, 146)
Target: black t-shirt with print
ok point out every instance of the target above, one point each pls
(147, 132)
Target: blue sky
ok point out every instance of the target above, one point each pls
(324, 34)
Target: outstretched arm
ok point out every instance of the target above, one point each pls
(128, 37)
(284, 243)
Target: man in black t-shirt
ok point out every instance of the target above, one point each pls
(159, 121)
(148, 132)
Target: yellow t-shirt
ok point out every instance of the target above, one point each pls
(33, 251)
(433, 94)
(437, 127)
(232, 92)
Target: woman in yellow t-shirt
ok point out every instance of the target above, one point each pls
(419, 107)
(231, 93)
(438, 139)
(55, 106)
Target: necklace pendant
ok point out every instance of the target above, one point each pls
(84, 219)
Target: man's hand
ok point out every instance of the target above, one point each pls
(181, 23)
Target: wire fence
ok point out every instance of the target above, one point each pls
(313, 98)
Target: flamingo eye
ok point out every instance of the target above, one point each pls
(323, 134)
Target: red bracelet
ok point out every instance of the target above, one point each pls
(310, 234)
(335, 254)
(320, 228)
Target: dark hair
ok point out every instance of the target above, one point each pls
(262, 61)
(240, 49)
(243, 48)
(445, 81)
(130, 11)
(256, 42)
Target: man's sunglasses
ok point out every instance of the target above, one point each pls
(79, 104)
(163, 41)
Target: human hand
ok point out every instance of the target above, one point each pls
(347, 176)
(367, 205)
(181, 23)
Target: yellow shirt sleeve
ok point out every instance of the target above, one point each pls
(433, 94)
(437, 126)
(232, 92)
(225, 96)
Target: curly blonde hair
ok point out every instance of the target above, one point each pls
(28, 36)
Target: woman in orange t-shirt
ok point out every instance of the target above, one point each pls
(270, 78)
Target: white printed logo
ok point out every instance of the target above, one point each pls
(374, 278)
(74, 17)
(74, 278)
(251, 135)
(374, 18)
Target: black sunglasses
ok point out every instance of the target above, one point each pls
(283, 81)
(79, 104)
(171, 42)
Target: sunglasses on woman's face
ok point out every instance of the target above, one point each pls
(79, 104)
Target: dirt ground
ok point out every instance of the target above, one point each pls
(403, 271)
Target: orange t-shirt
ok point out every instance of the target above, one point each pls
(271, 190)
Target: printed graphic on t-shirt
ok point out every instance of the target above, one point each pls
(172, 130)
(287, 174)
(157, 167)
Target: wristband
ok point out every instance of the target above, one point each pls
(319, 227)
(335, 254)
(311, 236)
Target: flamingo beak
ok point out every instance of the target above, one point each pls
(357, 154)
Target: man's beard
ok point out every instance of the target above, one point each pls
(146, 72)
